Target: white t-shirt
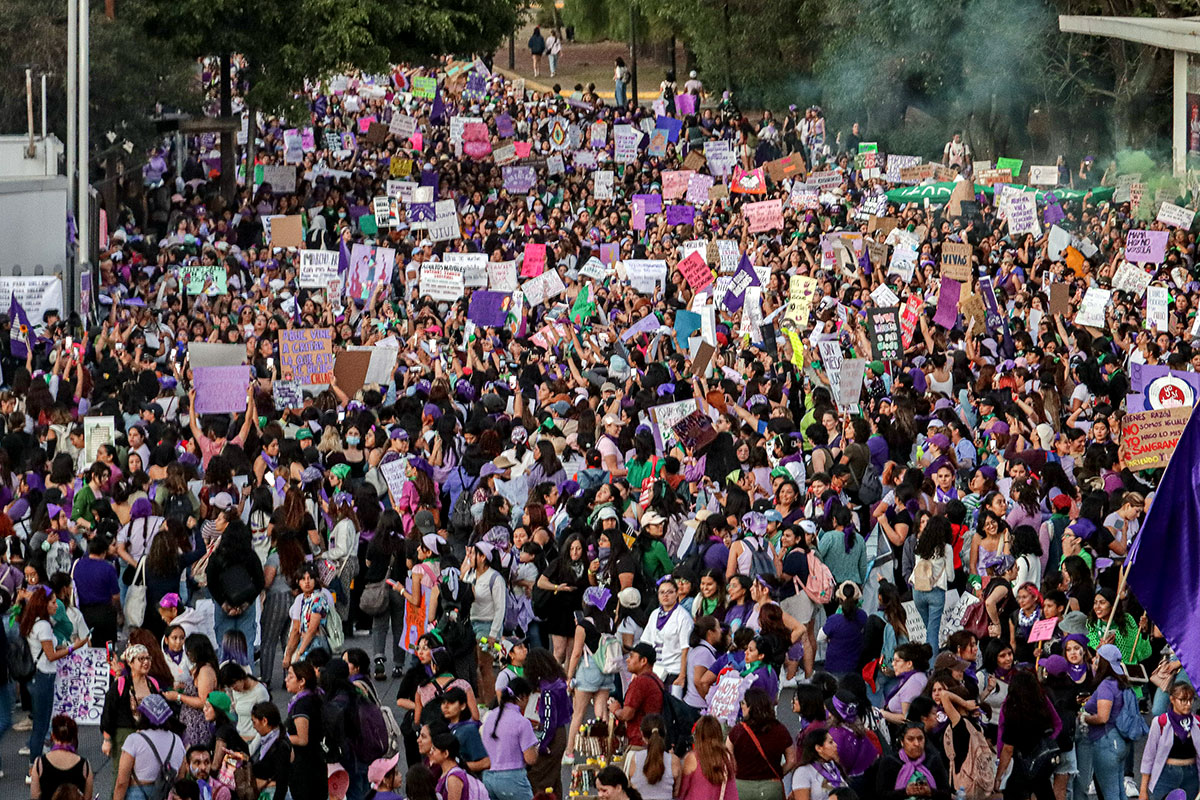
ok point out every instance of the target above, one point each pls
(146, 766)
(42, 632)
(807, 777)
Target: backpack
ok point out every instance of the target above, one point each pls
(761, 560)
(461, 518)
(870, 487)
(391, 728)
(694, 562)
(820, 584)
(922, 575)
(334, 632)
(678, 718)
(164, 783)
(1130, 723)
(21, 665)
(978, 773)
(373, 736)
(237, 583)
(609, 655)
(473, 788)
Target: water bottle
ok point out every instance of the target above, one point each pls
(961, 794)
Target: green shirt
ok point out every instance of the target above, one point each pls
(655, 561)
(81, 508)
(852, 566)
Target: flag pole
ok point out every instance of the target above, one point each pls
(1120, 589)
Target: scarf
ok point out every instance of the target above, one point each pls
(708, 605)
(178, 659)
(265, 743)
(296, 699)
(941, 496)
(1180, 724)
(831, 773)
(911, 769)
(898, 685)
(663, 619)
(1077, 672)
(849, 534)
(751, 668)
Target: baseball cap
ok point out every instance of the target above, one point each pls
(380, 768)
(646, 651)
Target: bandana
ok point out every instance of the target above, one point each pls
(910, 770)
(1180, 724)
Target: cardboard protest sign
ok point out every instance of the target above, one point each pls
(764, 215)
(1060, 298)
(306, 355)
(287, 394)
(287, 231)
(350, 368)
(220, 390)
(882, 295)
(697, 190)
(956, 261)
(694, 161)
(489, 309)
(1022, 216)
(1176, 216)
(440, 283)
(1142, 246)
(704, 354)
(781, 169)
(675, 183)
(1148, 438)
(884, 327)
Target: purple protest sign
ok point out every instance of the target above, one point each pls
(519, 180)
(647, 324)
(504, 126)
(685, 104)
(638, 222)
(744, 278)
(489, 309)
(220, 390)
(609, 252)
(681, 214)
(947, 307)
(651, 203)
(1143, 247)
(670, 125)
(421, 212)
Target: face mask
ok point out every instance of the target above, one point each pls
(604, 552)
(341, 215)
(353, 441)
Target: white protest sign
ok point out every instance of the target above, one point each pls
(318, 268)
(1091, 311)
(81, 684)
(402, 126)
(1131, 278)
(644, 275)
(402, 190)
(473, 267)
(831, 361)
(1022, 216)
(1043, 176)
(1175, 216)
(282, 177)
(1157, 301)
(502, 275)
(602, 184)
(884, 296)
(441, 283)
(546, 286)
(97, 431)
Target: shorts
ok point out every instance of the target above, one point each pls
(799, 606)
(589, 678)
(1067, 763)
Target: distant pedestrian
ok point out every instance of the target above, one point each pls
(620, 81)
(553, 50)
(537, 46)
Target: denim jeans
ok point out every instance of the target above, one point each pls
(244, 622)
(1104, 759)
(6, 709)
(929, 606)
(1176, 777)
(507, 784)
(619, 93)
(41, 693)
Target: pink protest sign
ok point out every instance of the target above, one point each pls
(675, 183)
(523, 149)
(220, 390)
(1042, 630)
(697, 273)
(764, 216)
(364, 123)
(535, 260)
(909, 319)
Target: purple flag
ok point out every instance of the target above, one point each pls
(21, 329)
(489, 309)
(681, 214)
(743, 278)
(438, 114)
(343, 258)
(1164, 563)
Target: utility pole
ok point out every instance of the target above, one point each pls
(72, 96)
(83, 214)
(512, 50)
(633, 53)
(228, 142)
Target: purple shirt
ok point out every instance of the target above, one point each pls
(1108, 689)
(845, 641)
(95, 581)
(914, 684)
(506, 736)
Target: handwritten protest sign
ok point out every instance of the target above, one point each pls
(1157, 300)
(393, 475)
(81, 684)
(725, 699)
(850, 383)
(473, 267)
(1043, 629)
(519, 180)
(1043, 176)
(281, 177)
(646, 275)
(1091, 312)
(884, 325)
(626, 138)
(220, 390)
(764, 215)
(695, 431)
(441, 282)
(287, 394)
(697, 273)
(306, 355)
(318, 268)
(535, 260)
(1148, 438)
(956, 261)
(1131, 278)
(1176, 216)
(502, 275)
(602, 186)
(546, 286)
(1022, 216)
(1143, 246)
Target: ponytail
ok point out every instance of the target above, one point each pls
(655, 767)
(517, 687)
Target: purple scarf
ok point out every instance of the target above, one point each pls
(909, 768)
(1180, 724)
(849, 534)
(661, 621)
(1077, 672)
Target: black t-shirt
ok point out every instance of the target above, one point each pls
(228, 733)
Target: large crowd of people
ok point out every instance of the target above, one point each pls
(648, 469)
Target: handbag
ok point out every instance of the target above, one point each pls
(375, 594)
(976, 620)
(200, 568)
(1044, 757)
(135, 598)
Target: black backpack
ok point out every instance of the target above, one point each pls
(21, 665)
(679, 719)
(164, 783)
(178, 508)
(694, 562)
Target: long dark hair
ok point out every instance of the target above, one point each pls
(892, 607)
(517, 688)
(541, 665)
(932, 542)
(1026, 701)
(760, 712)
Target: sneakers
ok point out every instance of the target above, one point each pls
(28, 780)
(397, 671)
(788, 683)
(380, 669)
(24, 725)
(1131, 788)
(568, 758)
(24, 751)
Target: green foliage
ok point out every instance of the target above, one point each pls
(128, 74)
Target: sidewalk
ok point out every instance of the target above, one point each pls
(579, 63)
